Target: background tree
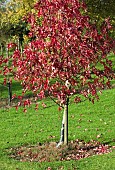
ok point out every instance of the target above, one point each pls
(12, 23)
(2, 5)
(2, 10)
(63, 58)
(103, 8)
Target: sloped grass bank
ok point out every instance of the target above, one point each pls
(86, 122)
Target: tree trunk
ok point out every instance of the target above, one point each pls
(9, 92)
(64, 128)
(9, 81)
(1, 49)
(66, 122)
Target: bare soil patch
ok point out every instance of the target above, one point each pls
(48, 152)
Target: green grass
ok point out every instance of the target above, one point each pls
(86, 122)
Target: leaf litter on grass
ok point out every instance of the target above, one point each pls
(48, 152)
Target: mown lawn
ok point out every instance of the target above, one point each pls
(86, 122)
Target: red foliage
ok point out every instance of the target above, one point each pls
(66, 48)
(11, 45)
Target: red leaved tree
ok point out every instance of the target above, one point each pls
(67, 55)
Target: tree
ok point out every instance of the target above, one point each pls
(2, 3)
(63, 58)
(2, 11)
(11, 21)
(101, 9)
(16, 9)
(104, 8)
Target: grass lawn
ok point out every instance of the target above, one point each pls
(86, 122)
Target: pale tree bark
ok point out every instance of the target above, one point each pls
(64, 128)
(66, 122)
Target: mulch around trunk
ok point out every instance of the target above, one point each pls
(48, 152)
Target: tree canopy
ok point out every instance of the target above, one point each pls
(66, 47)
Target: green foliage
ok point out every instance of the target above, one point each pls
(103, 8)
(2, 5)
(11, 22)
